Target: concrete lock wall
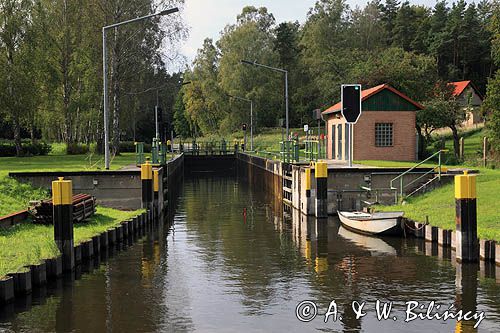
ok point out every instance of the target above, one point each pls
(115, 189)
(344, 184)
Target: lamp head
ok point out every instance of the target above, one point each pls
(169, 11)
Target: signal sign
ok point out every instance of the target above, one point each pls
(351, 102)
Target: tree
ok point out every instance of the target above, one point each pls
(443, 110)
(409, 72)
(182, 124)
(367, 27)
(251, 39)
(16, 85)
(491, 108)
(390, 11)
(203, 98)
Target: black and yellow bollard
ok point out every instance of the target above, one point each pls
(308, 191)
(62, 200)
(147, 185)
(156, 191)
(321, 173)
(466, 218)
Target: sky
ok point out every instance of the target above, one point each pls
(206, 18)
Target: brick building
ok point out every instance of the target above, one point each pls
(385, 130)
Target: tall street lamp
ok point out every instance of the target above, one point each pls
(251, 117)
(105, 75)
(254, 63)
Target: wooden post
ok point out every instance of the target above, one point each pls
(462, 147)
(485, 151)
(62, 202)
(466, 218)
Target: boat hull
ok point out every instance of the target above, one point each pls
(389, 226)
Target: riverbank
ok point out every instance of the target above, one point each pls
(30, 244)
(15, 196)
(439, 206)
(26, 243)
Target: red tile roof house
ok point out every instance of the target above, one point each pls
(470, 99)
(386, 129)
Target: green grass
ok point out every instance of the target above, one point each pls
(439, 206)
(15, 196)
(267, 139)
(62, 163)
(29, 244)
(104, 219)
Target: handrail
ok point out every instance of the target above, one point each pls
(401, 176)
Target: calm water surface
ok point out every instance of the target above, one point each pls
(219, 269)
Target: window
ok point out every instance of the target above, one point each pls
(383, 134)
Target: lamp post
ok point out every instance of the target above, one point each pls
(254, 63)
(105, 75)
(251, 117)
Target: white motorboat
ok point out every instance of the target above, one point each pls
(380, 223)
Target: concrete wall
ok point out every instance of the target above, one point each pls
(344, 185)
(115, 189)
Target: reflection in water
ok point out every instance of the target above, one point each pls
(233, 261)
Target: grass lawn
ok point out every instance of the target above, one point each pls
(62, 163)
(15, 196)
(439, 205)
(29, 244)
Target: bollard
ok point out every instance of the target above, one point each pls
(466, 218)
(156, 190)
(62, 200)
(147, 185)
(321, 173)
(308, 191)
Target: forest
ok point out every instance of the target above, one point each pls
(51, 76)
(51, 63)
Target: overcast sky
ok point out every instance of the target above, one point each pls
(206, 18)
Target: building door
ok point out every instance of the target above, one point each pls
(339, 141)
(333, 142)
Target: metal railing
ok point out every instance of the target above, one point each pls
(400, 178)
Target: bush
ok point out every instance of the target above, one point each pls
(77, 149)
(8, 149)
(37, 149)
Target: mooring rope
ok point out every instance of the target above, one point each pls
(412, 228)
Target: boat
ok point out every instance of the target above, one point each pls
(379, 223)
(376, 245)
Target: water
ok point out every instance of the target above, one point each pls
(219, 270)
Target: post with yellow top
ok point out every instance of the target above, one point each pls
(321, 173)
(147, 184)
(156, 190)
(466, 218)
(307, 202)
(62, 203)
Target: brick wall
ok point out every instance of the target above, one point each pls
(404, 140)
